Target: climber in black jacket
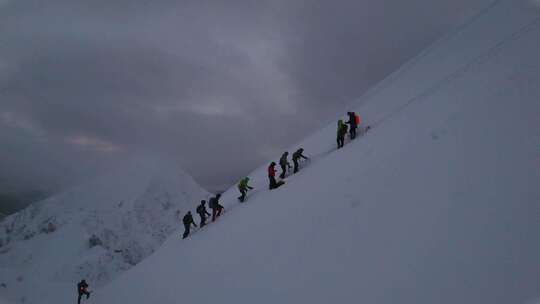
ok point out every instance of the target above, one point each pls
(203, 213)
(188, 221)
(82, 289)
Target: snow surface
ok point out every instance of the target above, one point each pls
(131, 211)
(438, 203)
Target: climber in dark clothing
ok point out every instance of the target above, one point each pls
(201, 210)
(284, 164)
(296, 157)
(352, 124)
(82, 289)
(188, 221)
(216, 207)
(341, 131)
(272, 177)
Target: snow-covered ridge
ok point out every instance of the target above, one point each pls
(94, 231)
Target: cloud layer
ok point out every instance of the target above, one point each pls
(218, 86)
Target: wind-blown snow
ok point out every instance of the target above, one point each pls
(437, 204)
(46, 249)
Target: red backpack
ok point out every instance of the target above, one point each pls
(357, 118)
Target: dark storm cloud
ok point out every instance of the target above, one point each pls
(220, 86)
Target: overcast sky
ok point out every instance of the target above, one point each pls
(218, 86)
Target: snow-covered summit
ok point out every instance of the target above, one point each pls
(94, 231)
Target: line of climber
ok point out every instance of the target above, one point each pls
(201, 210)
(243, 185)
(342, 128)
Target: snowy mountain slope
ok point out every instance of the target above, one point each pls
(437, 204)
(94, 231)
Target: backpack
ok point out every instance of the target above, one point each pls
(200, 209)
(357, 119)
(242, 184)
(212, 203)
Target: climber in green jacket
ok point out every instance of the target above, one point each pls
(244, 187)
(341, 132)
